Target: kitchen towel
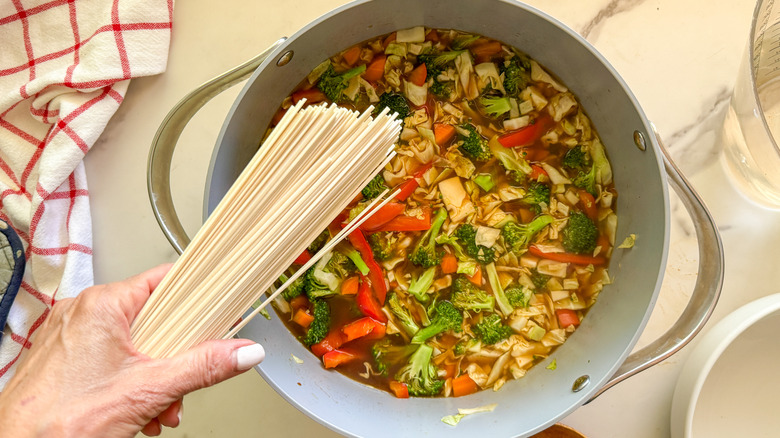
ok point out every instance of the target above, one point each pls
(65, 66)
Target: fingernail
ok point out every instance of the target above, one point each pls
(249, 356)
(181, 411)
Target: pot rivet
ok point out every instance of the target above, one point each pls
(285, 58)
(580, 383)
(639, 140)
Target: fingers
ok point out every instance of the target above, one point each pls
(171, 417)
(152, 428)
(135, 291)
(210, 363)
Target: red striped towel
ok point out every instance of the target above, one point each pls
(64, 69)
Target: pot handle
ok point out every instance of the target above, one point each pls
(158, 176)
(706, 291)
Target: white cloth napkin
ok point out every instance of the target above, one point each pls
(64, 69)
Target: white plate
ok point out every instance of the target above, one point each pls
(730, 383)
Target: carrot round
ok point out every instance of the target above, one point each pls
(477, 277)
(487, 49)
(463, 385)
(350, 286)
(376, 69)
(302, 318)
(351, 55)
(443, 133)
(449, 264)
(418, 75)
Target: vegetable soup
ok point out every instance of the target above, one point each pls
(498, 241)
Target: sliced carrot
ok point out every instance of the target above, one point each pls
(432, 35)
(299, 302)
(390, 38)
(526, 215)
(302, 318)
(335, 358)
(418, 75)
(443, 133)
(312, 95)
(567, 317)
(487, 49)
(350, 286)
(450, 369)
(537, 172)
(463, 385)
(351, 55)
(477, 277)
(376, 69)
(603, 242)
(588, 205)
(399, 389)
(449, 264)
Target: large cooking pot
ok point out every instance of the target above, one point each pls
(597, 355)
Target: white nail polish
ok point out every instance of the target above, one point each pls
(249, 356)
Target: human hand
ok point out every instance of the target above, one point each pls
(83, 376)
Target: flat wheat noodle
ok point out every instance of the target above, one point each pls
(310, 167)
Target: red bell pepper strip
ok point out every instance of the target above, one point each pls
(537, 172)
(399, 389)
(409, 186)
(303, 258)
(375, 273)
(383, 215)
(564, 257)
(335, 358)
(366, 302)
(333, 340)
(409, 223)
(363, 327)
(527, 135)
(567, 317)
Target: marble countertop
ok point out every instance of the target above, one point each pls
(680, 58)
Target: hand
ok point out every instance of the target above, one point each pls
(83, 376)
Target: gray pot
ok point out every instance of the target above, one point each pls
(596, 356)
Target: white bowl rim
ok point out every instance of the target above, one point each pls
(706, 353)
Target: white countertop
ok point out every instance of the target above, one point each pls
(679, 57)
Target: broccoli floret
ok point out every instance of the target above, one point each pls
(442, 90)
(319, 242)
(313, 287)
(345, 261)
(333, 84)
(539, 280)
(386, 353)
(491, 329)
(435, 61)
(517, 295)
(374, 188)
(396, 102)
(452, 241)
(599, 173)
(515, 165)
(420, 285)
(474, 145)
(447, 318)
(463, 41)
(381, 245)
(580, 234)
(467, 235)
(467, 296)
(495, 106)
(465, 345)
(518, 236)
(576, 158)
(536, 194)
(420, 375)
(516, 75)
(296, 287)
(404, 317)
(425, 253)
(495, 284)
(318, 328)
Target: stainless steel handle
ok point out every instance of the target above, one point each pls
(158, 177)
(705, 292)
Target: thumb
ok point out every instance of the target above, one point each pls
(210, 363)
